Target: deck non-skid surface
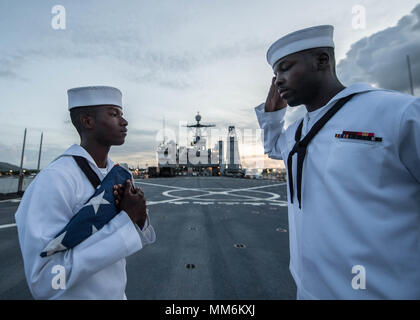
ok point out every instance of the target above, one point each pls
(217, 238)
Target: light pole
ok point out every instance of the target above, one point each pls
(410, 76)
(21, 165)
(39, 155)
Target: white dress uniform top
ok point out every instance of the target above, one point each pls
(357, 234)
(94, 269)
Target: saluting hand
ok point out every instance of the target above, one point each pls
(132, 201)
(274, 102)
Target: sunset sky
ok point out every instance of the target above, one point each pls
(172, 58)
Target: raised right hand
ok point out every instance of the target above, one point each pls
(274, 102)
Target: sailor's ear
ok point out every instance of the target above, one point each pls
(322, 60)
(88, 121)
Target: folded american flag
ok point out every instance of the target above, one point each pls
(97, 212)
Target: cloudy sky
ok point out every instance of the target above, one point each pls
(174, 58)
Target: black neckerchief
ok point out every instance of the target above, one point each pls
(88, 171)
(301, 146)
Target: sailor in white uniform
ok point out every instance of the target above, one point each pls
(95, 268)
(353, 166)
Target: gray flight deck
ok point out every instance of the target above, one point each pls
(231, 232)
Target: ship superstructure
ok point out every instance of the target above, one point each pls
(196, 158)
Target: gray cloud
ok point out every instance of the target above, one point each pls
(381, 58)
(141, 132)
(9, 63)
(150, 59)
(12, 154)
(201, 51)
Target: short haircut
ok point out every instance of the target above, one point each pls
(76, 115)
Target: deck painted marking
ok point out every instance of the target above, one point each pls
(208, 192)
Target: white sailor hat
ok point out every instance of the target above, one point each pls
(309, 38)
(94, 96)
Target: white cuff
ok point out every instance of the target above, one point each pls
(265, 118)
(147, 233)
(125, 229)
